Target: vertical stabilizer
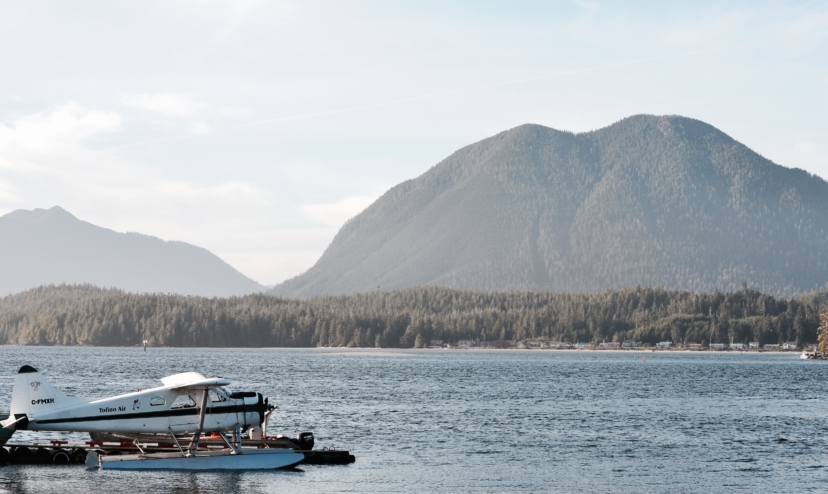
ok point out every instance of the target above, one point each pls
(31, 395)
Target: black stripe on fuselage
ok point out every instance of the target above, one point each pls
(177, 412)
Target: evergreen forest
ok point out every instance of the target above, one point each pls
(88, 315)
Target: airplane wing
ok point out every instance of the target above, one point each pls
(214, 382)
(192, 381)
(181, 379)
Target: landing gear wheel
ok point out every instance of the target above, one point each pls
(60, 457)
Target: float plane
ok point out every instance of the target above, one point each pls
(186, 403)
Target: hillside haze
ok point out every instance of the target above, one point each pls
(43, 247)
(664, 201)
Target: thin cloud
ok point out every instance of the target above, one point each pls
(705, 32)
(452, 92)
(64, 127)
(589, 7)
(167, 104)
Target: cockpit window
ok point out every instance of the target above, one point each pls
(158, 400)
(183, 401)
(216, 397)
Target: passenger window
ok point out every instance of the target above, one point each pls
(158, 400)
(183, 401)
(215, 397)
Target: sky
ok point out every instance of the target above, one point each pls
(256, 129)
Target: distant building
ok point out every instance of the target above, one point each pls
(789, 345)
(664, 344)
(717, 346)
(694, 346)
(581, 344)
(631, 344)
(485, 344)
(772, 347)
(501, 344)
(437, 343)
(737, 346)
(558, 344)
(753, 345)
(466, 343)
(611, 344)
(534, 343)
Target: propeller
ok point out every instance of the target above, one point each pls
(270, 409)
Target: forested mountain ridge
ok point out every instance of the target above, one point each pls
(650, 200)
(52, 246)
(87, 315)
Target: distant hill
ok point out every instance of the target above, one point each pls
(43, 247)
(660, 201)
(87, 315)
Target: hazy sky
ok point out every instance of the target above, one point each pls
(255, 129)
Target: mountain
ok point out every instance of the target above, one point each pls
(42, 247)
(650, 200)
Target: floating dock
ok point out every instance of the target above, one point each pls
(72, 453)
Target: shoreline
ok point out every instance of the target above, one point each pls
(630, 350)
(461, 349)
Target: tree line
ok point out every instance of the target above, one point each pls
(88, 315)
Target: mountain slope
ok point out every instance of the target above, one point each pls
(649, 200)
(42, 247)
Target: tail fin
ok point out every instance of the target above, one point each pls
(33, 394)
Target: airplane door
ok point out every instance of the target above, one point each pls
(217, 415)
(184, 414)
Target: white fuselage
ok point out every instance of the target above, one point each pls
(175, 407)
(155, 410)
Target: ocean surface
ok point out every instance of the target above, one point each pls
(479, 421)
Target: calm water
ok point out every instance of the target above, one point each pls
(495, 421)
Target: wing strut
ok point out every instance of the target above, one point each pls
(201, 412)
